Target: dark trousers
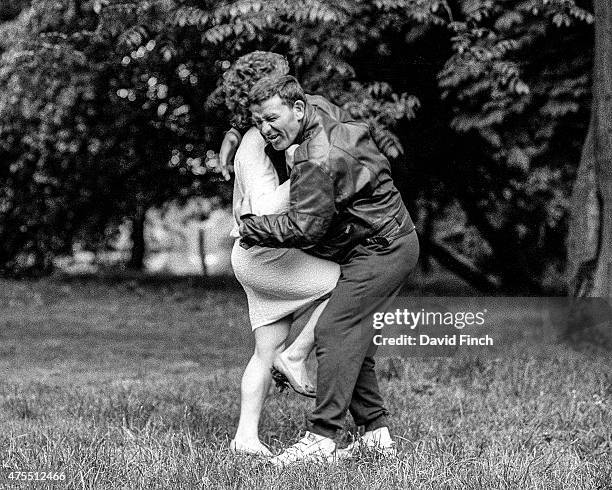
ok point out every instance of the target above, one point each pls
(371, 276)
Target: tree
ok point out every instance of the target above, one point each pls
(511, 88)
(10, 9)
(476, 103)
(505, 114)
(518, 89)
(87, 139)
(590, 234)
(46, 134)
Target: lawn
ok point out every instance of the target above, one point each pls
(133, 383)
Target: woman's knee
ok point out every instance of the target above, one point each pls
(267, 355)
(267, 349)
(270, 339)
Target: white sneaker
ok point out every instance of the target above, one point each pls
(312, 448)
(377, 441)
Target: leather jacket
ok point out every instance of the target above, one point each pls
(341, 192)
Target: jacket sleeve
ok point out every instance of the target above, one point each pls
(312, 207)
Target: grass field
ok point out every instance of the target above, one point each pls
(134, 384)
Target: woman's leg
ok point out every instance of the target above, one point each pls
(292, 361)
(269, 340)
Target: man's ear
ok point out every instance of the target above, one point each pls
(299, 109)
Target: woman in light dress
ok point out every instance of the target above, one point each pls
(279, 283)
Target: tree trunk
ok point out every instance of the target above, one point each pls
(202, 249)
(136, 261)
(590, 236)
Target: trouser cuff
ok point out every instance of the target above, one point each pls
(322, 431)
(377, 423)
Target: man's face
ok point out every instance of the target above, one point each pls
(278, 123)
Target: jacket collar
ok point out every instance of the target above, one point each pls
(309, 123)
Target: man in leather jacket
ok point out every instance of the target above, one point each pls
(344, 207)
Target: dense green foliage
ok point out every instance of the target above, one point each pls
(82, 141)
(480, 105)
(527, 130)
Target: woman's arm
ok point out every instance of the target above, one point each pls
(227, 152)
(258, 179)
(272, 202)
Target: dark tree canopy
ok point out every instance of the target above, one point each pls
(480, 106)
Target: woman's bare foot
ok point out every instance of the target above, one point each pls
(294, 373)
(255, 448)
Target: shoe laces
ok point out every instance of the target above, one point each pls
(301, 445)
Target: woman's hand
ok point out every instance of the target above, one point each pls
(227, 152)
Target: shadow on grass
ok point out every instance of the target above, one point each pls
(114, 277)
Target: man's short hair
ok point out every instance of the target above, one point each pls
(286, 87)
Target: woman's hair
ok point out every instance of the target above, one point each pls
(242, 75)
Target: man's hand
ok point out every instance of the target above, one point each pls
(227, 152)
